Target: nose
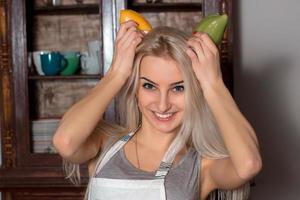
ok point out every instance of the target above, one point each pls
(164, 103)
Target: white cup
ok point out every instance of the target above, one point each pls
(37, 61)
(94, 47)
(90, 64)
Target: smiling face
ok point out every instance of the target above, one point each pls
(160, 94)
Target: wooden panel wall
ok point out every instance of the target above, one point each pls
(184, 21)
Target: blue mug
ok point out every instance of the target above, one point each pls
(53, 63)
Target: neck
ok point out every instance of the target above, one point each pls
(152, 139)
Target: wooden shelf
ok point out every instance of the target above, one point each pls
(166, 7)
(37, 77)
(68, 9)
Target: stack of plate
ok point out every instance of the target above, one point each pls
(42, 134)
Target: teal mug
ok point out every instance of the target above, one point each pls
(53, 63)
(73, 58)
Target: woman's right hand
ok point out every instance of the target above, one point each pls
(128, 37)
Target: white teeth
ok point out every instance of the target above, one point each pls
(164, 116)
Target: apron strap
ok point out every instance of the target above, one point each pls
(114, 149)
(127, 137)
(163, 170)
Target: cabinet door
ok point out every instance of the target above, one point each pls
(33, 102)
(54, 38)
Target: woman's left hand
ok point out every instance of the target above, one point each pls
(205, 60)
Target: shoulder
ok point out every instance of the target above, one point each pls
(105, 131)
(104, 138)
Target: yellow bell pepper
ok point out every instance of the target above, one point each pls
(143, 24)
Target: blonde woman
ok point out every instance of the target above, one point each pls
(181, 135)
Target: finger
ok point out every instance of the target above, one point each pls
(208, 42)
(125, 36)
(131, 38)
(144, 32)
(206, 50)
(191, 53)
(194, 58)
(124, 27)
(197, 48)
(136, 42)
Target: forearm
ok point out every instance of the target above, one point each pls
(79, 121)
(239, 137)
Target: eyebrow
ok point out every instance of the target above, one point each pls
(175, 83)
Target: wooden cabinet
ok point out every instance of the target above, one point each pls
(27, 172)
(32, 103)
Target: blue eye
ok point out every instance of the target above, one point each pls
(148, 86)
(178, 88)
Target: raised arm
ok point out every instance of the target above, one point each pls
(244, 159)
(73, 139)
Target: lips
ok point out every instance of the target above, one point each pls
(164, 117)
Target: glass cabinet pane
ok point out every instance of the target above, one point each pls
(49, 99)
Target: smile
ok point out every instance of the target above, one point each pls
(164, 117)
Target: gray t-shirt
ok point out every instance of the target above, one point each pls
(181, 183)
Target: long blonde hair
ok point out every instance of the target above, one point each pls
(199, 128)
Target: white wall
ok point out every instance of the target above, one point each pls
(267, 89)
